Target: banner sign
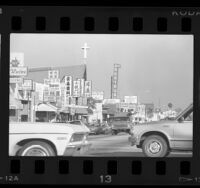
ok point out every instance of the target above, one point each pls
(18, 71)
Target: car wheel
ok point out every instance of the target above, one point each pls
(36, 148)
(155, 146)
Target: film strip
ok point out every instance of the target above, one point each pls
(120, 167)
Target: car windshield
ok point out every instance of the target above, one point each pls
(75, 122)
(121, 119)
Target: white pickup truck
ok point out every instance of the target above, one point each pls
(47, 139)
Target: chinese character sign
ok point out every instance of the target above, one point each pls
(76, 88)
(53, 74)
(68, 85)
(82, 86)
(88, 88)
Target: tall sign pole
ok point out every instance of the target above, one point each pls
(115, 81)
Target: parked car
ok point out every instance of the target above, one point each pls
(120, 124)
(76, 122)
(96, 128)
(47, 139)
(158, 139)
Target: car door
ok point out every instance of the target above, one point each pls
(183, 132)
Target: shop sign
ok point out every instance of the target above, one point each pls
(76, 89)
(88, 88)
(16, 80)
(18, 71)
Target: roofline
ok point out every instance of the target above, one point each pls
(36, 69)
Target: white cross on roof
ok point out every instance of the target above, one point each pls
(85, 48)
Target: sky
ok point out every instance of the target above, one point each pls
(156, 68)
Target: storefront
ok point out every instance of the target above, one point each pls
(45, 112)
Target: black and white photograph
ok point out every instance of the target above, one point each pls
(101, 95)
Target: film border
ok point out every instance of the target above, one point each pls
(154, 21)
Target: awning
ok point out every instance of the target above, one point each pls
(64, 110)
(45, 108)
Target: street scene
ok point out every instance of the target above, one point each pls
(101, 95)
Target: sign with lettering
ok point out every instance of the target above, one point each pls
(27, 84)
(88, 88)
(18, 71)
(16, 80)
(68, 85)
(76, 88)
(53, 74)
(98, 95)
(130, 99)
(82, 86)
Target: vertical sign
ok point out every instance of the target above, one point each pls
(46, 94)
(68, 85)
(82, 86)
(88, 88)
(76, 88)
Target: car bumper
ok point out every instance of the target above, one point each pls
(77, 149)
(120, 129)
(133, 140)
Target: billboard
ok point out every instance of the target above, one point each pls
(130, 99)
(98, 95)
(111, 101)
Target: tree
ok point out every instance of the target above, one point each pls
(178, 110)
(170, 105)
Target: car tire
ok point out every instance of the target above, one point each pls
(36, 148)
(155, 146)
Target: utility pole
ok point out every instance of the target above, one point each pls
(115, 81)
(111, 87)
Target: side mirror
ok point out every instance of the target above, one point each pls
(181, 119)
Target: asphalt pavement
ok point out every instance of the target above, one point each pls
(118, 146)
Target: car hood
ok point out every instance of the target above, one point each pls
(156, 123)
(45, 128)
